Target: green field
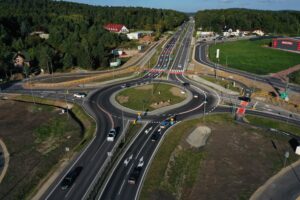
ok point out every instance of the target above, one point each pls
(253, 56)
(141, 98)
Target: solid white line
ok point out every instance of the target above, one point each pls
(69, 191)
(145, 142)
(129, 169)
(120, 159)
(77, 158)
(109, 115)
(120, 190)
(149, 163)
(97, 151)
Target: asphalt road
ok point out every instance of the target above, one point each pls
(107, 116)
(117, 186)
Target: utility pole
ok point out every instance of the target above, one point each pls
(31, 90)
(67, 102)
(204, 108)
(51, 70)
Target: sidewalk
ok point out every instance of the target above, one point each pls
(212, 85)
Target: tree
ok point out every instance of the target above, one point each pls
(68, 61)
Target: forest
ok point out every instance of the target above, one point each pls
(76, 33)
(271, 22)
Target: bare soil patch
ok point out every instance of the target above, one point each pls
(238, 160)
(145, 87)
(159, 105)
(177, 92)
(31, 160)
(122, 99)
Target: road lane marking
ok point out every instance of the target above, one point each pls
(70, 191)
(120, 190)
(97, 151)
(129, 169)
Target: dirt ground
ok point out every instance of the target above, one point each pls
(237, 161)
(28, 165)
(177, 92)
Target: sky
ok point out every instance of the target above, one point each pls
(195, 5)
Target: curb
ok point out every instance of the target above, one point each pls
(113, 101)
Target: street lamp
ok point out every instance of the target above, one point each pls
(205, 102)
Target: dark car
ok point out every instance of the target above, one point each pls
(186, 84)
(70, 178)
(155, 136)
(134, 175)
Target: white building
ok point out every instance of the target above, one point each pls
(205, 33)
(134, 35)
(259, 32)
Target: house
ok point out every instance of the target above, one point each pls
(41, 34)
(116, 28)
(134, 35)
(258, 32)
(205, 33)
(227, 33)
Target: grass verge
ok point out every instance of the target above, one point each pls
(224, 83)
(253, 56)
(268, 123)
(144, 97)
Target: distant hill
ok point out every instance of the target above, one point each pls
(277, 22)
(76, 34)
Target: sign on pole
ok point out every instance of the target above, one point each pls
(218, 53)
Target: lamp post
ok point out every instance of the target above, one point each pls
(204, 107)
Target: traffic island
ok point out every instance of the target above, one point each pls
(152, 98)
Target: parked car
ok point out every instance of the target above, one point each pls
(80, 95)
(70, 178)
(111, 135)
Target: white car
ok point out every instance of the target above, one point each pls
(179, 66)
(79, 95)
(196, 96)
(111, 135)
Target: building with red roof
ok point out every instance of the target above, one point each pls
(116, 28)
